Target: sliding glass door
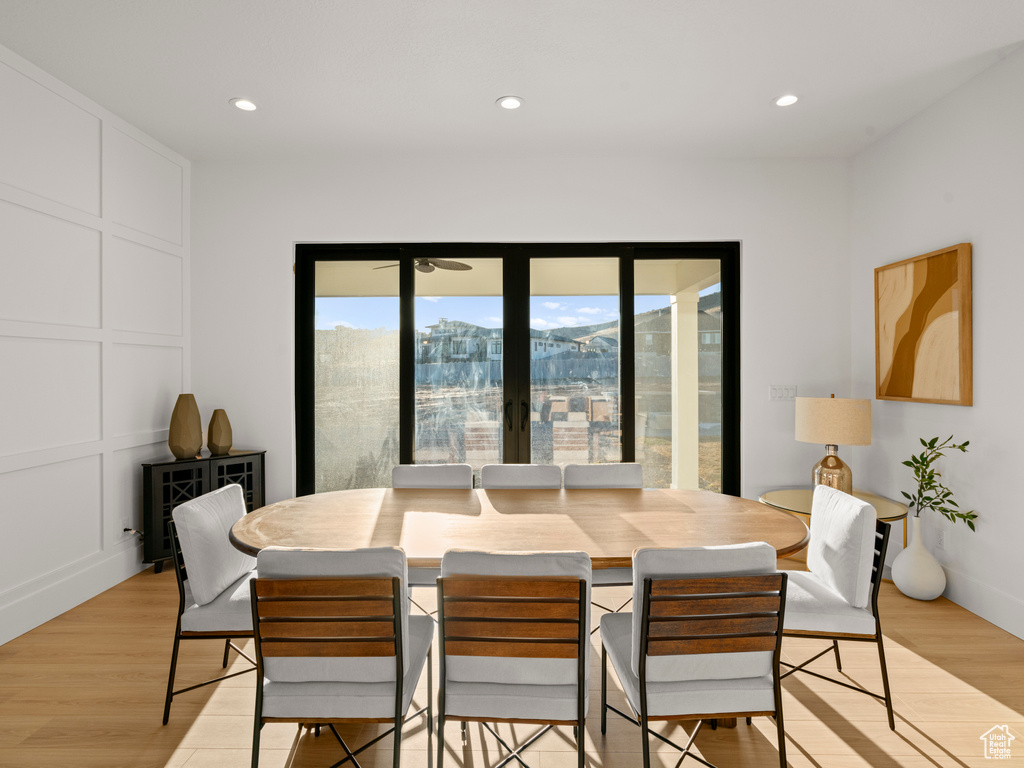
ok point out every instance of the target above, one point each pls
(677, 332)
(574, 361)
(489, 353)
(355, 364)
(458, 362)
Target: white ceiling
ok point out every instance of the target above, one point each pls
(349, 77)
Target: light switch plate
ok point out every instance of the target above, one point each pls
(782, 391)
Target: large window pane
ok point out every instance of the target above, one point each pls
(678, 337)
(574, 361)
(459, 365)
(356, 374)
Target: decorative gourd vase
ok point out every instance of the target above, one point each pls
(915, 571)
(218, 435)
(185, 435)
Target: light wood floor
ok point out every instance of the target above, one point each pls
(86, 689)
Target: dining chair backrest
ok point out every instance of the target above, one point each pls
(210, 562)
(547, 569)
(620, 475)
(546, 476)
(326, 588)
(842, 546)
(453, 476)
(711, 629)
(751, 559)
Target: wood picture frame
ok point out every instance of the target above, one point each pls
(923, 347)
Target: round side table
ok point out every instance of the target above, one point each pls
(798, 502)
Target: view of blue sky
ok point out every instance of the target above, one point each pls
(546, 312)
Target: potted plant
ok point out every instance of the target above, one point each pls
(915, 571)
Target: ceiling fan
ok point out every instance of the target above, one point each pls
(428, 265)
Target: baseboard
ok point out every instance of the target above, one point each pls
(995, 606)
(53, 598)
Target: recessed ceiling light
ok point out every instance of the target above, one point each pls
(787, 100)
(245, 104)
(510, 102)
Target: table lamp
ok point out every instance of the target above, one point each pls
(833, 422)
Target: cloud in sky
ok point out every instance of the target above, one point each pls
(434, 299)
(552, 305)
(541, 324)
(592, 310)
(572, 320)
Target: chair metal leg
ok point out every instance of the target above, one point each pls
(170, 676)
(885, 683)
(604, 690)
(430, 689)
(645, 741)
(839, 662)
(781, 730)
(398, 743)
(440, 733)
(227, 647)
(256, 743)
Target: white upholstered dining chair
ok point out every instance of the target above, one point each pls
(453, 476)
(212, 576)
(616, 475)
(335, 642)
(703, 640)
(499, 476)
(837, 597)
(487, 603)
(439, 476)
(620, 475)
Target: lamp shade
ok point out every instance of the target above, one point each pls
(833, 421)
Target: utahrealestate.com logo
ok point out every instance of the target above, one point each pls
(997, 742)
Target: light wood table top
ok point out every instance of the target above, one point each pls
(608, 524)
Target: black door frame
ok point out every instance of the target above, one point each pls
(516, 336)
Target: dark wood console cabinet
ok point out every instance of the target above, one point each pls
(168, 482)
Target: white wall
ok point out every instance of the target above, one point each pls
(791, 217)
(94, 319)
(955, 173)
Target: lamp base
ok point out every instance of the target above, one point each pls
(833, 471)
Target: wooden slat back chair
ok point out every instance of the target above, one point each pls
(503, 476)
(212, 578)
(514, 642)
(325, 644)
(708, 640)
(836, 601)
(619, 475)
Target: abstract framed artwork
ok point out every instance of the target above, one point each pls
(923, 328)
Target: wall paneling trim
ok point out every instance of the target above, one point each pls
(94, 338)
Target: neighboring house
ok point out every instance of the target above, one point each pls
(448, 341)
(601, 344)
(709, 331)
(546, 344)
(456, 341)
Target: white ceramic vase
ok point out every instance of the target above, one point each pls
(915, 571)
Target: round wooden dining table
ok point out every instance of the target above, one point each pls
(606, 523)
